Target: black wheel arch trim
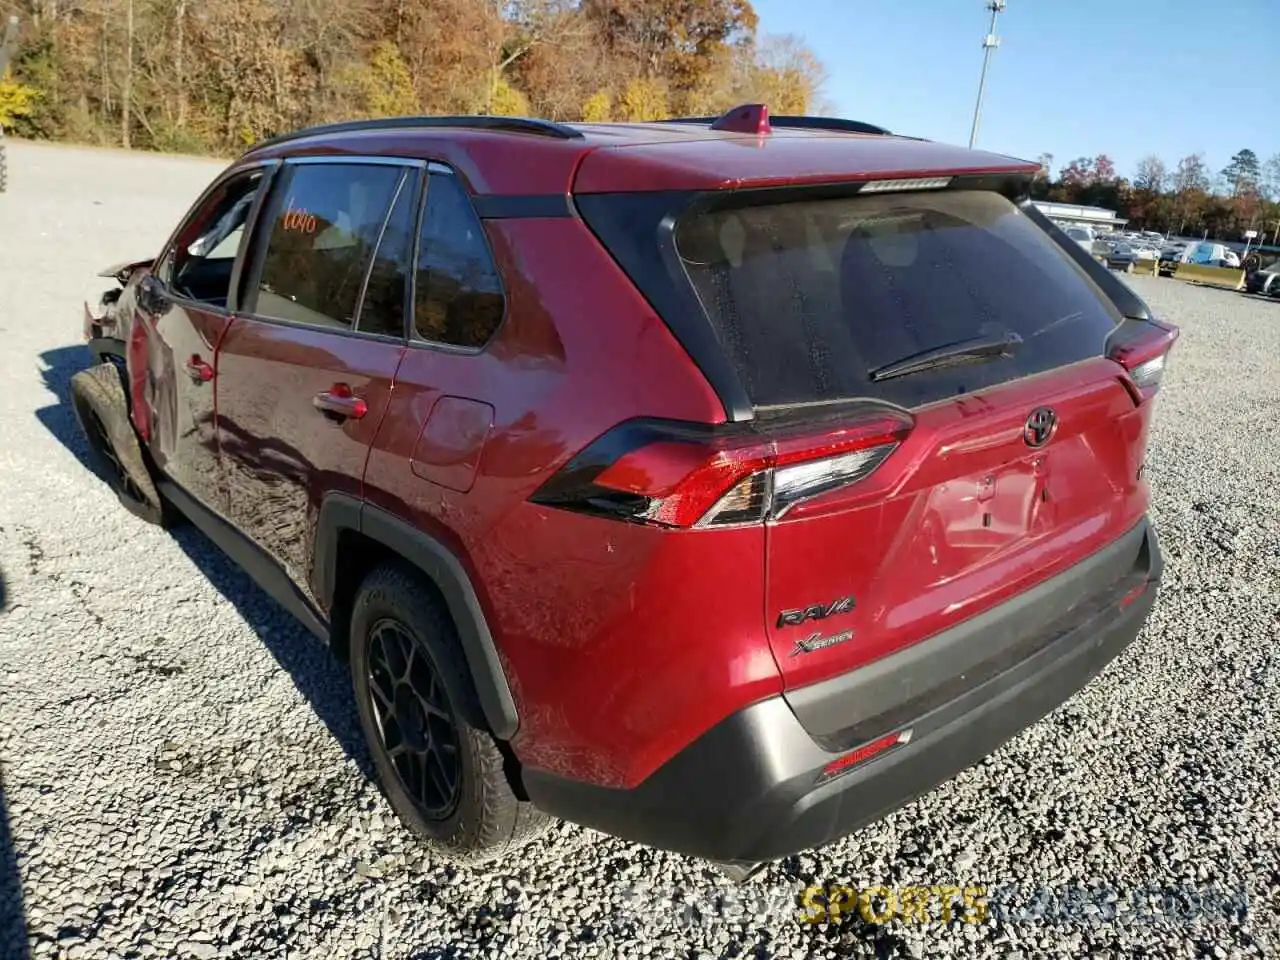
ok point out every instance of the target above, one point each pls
(339, 512)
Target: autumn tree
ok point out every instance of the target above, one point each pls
(214, 75)
(1242, 174)
(1271, 179)
(16, 100)
(1151, 174)
(679, 41)
(1078, 173)
(1190, 187)
(1104, 170)
(785, 74)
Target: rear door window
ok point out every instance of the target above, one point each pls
(809, 297)
(328, 219)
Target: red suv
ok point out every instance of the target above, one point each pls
(721, 484)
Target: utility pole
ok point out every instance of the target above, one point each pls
(989, 43)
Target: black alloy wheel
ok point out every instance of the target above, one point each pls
(416, 726)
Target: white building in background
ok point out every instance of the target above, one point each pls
(1073, 214)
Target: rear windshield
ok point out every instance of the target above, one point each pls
(809, 297)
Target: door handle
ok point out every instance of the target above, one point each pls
(340, 403)
(198, 369)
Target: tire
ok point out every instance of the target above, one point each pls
(399, 626)
(98, 398)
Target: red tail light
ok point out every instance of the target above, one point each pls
(684, 475)
(1142, 348)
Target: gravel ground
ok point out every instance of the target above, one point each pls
(180, 766)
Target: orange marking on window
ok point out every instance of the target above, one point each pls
(297, 220)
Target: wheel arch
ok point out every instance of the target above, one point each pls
(387, 535)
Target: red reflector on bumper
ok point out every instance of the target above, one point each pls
(864, 752)
(1133, 595)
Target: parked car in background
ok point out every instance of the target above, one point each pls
(1083, 236)
(1127, 255)
(1265, 281)
(1170, 257)
(1206, 253)
(1212, 254)
(1122, 256)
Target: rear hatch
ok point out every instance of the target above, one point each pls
(938, 384)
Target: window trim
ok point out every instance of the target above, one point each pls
(417, 188)
(411, 168)
(270, 168)
(416, 340)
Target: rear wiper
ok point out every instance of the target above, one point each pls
(979, 348)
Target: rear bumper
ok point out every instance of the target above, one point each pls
(747, 790)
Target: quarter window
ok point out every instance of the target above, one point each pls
(328, 220)
(457, 294)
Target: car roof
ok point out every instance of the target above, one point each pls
(517, 156)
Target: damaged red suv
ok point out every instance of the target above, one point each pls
(718, 483)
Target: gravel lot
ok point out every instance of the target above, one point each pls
(180, 766)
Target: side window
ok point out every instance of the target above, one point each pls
(199, 265)
(382, 309)
(327, 220)
(457, 294)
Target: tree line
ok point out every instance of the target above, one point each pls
(217, 75)
(1187, 200)
(213, 76)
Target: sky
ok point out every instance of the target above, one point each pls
(1070, 77)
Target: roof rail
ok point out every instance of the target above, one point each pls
(835, 124)
(829, 123)
(544, 128)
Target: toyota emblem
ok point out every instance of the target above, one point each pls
(1040, 426)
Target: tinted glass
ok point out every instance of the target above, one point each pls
(809, 297)
(458, 297)
(383, 308)
(326, 227)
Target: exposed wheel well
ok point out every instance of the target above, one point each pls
(353, 536)
(356, 556)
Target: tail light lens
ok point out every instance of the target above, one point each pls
(1142, 348)
(864, 753)
(681, 475)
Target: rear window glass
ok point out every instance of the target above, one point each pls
(809, 297)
